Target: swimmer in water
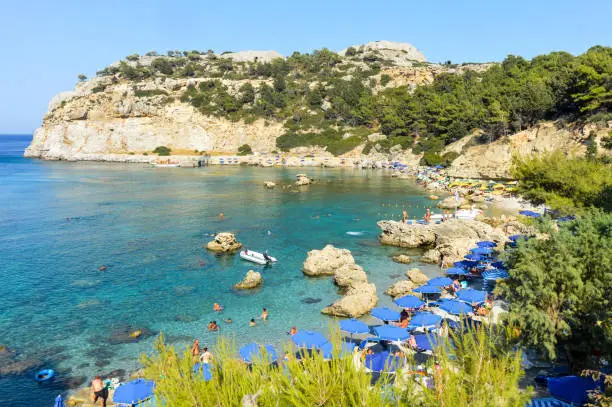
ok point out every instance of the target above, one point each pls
(252, 323)
(264, 314)
(217, 307)
(220, 215)
(228, 321)
(102, 268)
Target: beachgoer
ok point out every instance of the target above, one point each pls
(220, 215)
(266, 257)
(195, 349)
(102, 268)
(217, 307)
(213, 326)
(99, 391)
(264, 314)
(427, 216)
(456, 285)
(293, 331)
(228, 321)
(412, 342)
(369, 351)
(206, 356)
(252, 323)
(404, 216)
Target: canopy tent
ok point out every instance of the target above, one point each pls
(424, 320)
(385, 314)
(391, 333)
(440, 282)
(426, 342)
(309, 339)
(472, 296)
(457, 271)
(383, 362)
(427, 289)
(253, 351)
(409, 301)
(495, 274)
(486, 243)
(204, 370)
(134, 392)
(455, 307)
(354, 326)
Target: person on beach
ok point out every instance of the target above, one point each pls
(195, 349)
(99, 391)
(293, 331)
(404, 216)
(252, 323)
(206, 356)
(217, 307)
(427, 216)
(264, 314)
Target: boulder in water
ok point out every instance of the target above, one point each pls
(431, 256)
(417, 277)
(269, 184)
(302, 179)
(224, 242)
(400, 288)
(325, 262)
(356, 302)
(402, 259)
(251, 280)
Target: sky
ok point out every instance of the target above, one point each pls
(45, 44)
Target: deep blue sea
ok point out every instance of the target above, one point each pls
(61, 221)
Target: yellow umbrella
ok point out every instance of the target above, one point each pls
(499, 186)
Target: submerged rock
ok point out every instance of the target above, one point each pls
(129, 334)
(182, 290)
(19, 367)
(85, 283)
(402, 259)
(224, 242)
(251, 280)
(310, 300)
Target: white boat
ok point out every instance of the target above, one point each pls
(256, 257)
(166, 165)
(468, 213)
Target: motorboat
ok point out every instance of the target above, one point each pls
(256, 257)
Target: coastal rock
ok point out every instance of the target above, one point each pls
(224, 242)
(431, 256)
(434, 197)
(350, 276)
(269, 184)
(19, 367)
(451, 203)
(356, 302)
(401, 288)
(129, 334)
(402, 259)
(302, 179)
(417, 277)
(251, 280)
(325, 262)
(403, 235)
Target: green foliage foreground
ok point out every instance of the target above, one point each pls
(560, 290)
(479, 370)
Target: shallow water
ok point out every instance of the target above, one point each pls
(60, 221)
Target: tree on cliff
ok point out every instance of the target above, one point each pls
(82, 77)
(559, 290)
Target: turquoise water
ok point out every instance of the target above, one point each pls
(60, 221)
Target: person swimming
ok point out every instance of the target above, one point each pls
(293, 331)
(252, 322)
(264, 314)
(217, 307)
(228, 321)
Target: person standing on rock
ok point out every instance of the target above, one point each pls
(404, 216)
(427, 216)
(99, 391)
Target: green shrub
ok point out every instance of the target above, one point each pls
(82, 77)
(148, 93)
(245, 149)
(132, 57)
(162, 151)
(98, 89)
(350, 51)
(384, 79)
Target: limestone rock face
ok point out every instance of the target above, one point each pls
(397, 51)
(325, 262)
(302, 179)
(251, 280)
(402, 258)
(356, 302)
(447, 241)
(401, 288)
(252, 56)
(224, 242)
(417, 277)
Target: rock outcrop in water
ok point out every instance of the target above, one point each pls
(359, 296)
(224, 242)
(447, 241)
(252, 279)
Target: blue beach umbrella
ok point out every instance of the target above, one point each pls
(424, 320)
(253, 351)
(308, 339)
(472, 296)
(486, 243)
(425, 342)
(427, 289)
(473, 257)
(440, 282)
(409, 301)
(531, 214)
(328, 350)
(455, 307)
(482, 250)
(204, 370)
(514, 238)
(385, 314)
(495, 274)
(59, 401)
(354, 326)
(391, 333)
(133, 392)
(457, 271)
(383, 362)
(498, 265)
(467, 264)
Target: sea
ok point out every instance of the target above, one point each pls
(60, 222)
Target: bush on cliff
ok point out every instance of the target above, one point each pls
(162, 151)
(481, 370)
(245, 149)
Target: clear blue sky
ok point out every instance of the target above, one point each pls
(45, 44)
